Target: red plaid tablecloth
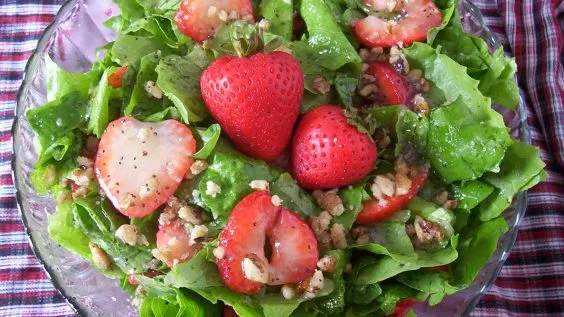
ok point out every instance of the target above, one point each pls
(532, 280)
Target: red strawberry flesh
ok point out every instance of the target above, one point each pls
(139, 165)
(200, 19)
(256, 100)
(328, 152)
(254, 222)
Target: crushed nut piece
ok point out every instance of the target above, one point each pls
(260, 184)
(288, 291)
(276, 201)
(125, 201)
(441, 197)
(149, 188)
(99, 256)
(191, 215)
(197, 233)
(321, 85)
(198, 166)
(403, 184)
(127, 234)
(254, 269)
(219, 253)
(338, 236)
(386, 185)
(327, 263)
(212, 189)
(329, 201)
(153, 90)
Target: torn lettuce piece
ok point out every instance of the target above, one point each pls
(179, 79)
(386, 264)
(129, 49)
(436, 284)
(280, 15)
(293, 197)
(100, 112)
(495, 72)
(477, 243)
(520, 170)
(232, 172)
(469, 194)
(61, 83)
(208, 137)
(352, 198)
(141, 103)
(99, 221)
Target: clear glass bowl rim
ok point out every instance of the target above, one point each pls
(68, 5)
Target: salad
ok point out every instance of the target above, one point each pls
(283, 158)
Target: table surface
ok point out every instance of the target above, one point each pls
(530, 284)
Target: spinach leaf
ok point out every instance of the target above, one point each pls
(129, 49)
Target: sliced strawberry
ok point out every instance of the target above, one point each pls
(139, 165)
(228, 311)
(420, 16)
(133, 281)
(393, 88)
(375, 210)
(173, 243)
(115, 79)
(254, 222)
(403, 306)
(200, 19)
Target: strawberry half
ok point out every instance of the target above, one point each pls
(200, 19)
(139, 165)
(393, 88)
(173, 243)
(328, 152)
(417, 18)
(256, 100)
(254, 222)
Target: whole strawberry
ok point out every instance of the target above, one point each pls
(256, 100)
(327, 152)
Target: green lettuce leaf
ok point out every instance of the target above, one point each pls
(520, 169)
(495, 72)
(100, 113)
(141, 104)
(436, 284)
(467, 137)
(61, 83)
(129, 49)
(233, 172)
(280, 15)
(99, 221)
(352, 198)
(293, 197)
(477, 243)
(470, 194)
(209, 138)
(179, 79)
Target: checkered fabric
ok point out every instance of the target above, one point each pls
(530, 284)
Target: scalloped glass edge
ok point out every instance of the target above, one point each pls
(111, 295)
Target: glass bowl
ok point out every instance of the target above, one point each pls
(71, 41)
